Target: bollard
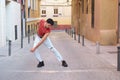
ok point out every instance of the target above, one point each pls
(97, 47)
(66, 30)
(21, 41)
(70, 32)
(33, 36)
(82, 40)
(74, 35)
(22, 38)
(118, 59)
(28, 34)
(9, 48)
(78, 38)
(28, 37)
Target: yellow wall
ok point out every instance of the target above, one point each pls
(36, 12)
(105, 21)
(62, 20)
(33, 15)
(91, 33)
(75, 15)
(108, 14)
(108, 21)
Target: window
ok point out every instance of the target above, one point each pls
(82, 6)
(23, 2)
(55, 11)
(43, 11)
(87, 4)
(32, 7)
(28, 29)
(29, 3)
(15, 0)
(33, 4)
(29, 7)
(28, 12)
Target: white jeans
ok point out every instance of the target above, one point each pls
(49, 45)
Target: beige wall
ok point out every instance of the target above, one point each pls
(108, 22)
(105, 21)
(75, 15)
(36, 12)
(62, 20)
(91, 33)
(33, 13)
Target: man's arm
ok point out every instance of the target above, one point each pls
(41, 41)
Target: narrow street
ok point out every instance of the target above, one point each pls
(83, 63)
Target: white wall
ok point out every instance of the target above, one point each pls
(49, 11)
(13, 18)
(2, 23)
(64, 14)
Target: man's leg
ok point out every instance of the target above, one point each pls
(36, 53)
(49, 44)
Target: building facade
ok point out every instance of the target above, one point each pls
(32, 16)
(59, 10)
(10, 26)
(2, 23)
(25, 15)
(97, 20)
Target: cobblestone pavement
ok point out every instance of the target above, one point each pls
(84, 63)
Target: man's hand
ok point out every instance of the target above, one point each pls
(41, 41)
(32, 49)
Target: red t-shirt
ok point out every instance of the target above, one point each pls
(42, 30)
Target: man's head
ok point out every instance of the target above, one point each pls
(49, 22)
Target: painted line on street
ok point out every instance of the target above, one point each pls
(63, 71)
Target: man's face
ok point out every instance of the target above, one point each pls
(48, 25)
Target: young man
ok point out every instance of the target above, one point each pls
(42, 37)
